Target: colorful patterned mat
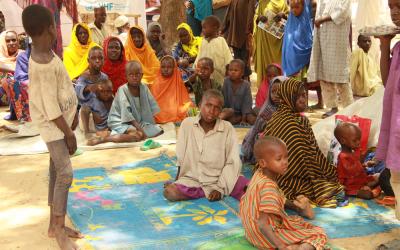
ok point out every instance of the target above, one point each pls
(123, 208)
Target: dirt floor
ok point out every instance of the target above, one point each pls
(23, 195)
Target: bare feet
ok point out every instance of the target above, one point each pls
(63, 241)
(95, 141)
(72, 233)
(306, 246)
(304, 206)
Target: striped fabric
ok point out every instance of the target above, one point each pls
(309, 172)
(263, 195)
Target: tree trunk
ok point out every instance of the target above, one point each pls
(171, 15)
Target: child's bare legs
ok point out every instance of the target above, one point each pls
(172, 193)
(365, 193)
(301, 246)
(60, 180)
(131, 135)
(304, 206)
(251, 118)
(85, 116)
(72, 233)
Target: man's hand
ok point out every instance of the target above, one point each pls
(318, 22)
(215, 196)
(70, 140)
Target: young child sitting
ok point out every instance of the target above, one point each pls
(86, 87)
(237, 96)
(262, 207)
(273, 70)
(364, 72)
(201, 80)
(351, 173)
(131, 116)
(214, 47)
(101, 105)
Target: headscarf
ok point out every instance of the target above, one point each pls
(202, 9)
(115, 70)
(265, 114)
(9, 60)
(76, 55)
(158, 46)
(263, 90)
(145, 55)
(195, 41)
(21, 69)
(298, 41)
(171, 95)
(309, 173)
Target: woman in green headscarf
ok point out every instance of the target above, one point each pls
(268, 49)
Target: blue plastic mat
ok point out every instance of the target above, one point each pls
(123, 207)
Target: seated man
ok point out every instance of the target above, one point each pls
(207, 156)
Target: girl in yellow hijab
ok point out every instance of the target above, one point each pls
(137, 48)
(76, 54)
(186, 50)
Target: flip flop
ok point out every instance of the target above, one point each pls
(77, 152)
(150, 144)
(386, 201)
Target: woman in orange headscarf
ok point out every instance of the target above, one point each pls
(170, 93)
(137, 48)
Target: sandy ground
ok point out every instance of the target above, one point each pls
(23, 194)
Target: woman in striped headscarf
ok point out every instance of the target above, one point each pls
(309, 172)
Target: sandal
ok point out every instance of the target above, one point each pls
(386, 201)
(150, 144)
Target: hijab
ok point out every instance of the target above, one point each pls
(115, 70)
(158, 46)
(309, 172)
(145, 55)
(192, 49)
(171, 95)
(76, 55)
(9, 60)
(298, 41)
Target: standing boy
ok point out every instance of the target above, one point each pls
(53, 105)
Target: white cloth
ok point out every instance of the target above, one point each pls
(98, 35)
(368, 107)
(210, 161)
(218, 50)
(330, 57)
(51, 95)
